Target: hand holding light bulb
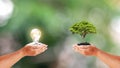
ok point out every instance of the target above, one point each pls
(8, 60)
(33, 49)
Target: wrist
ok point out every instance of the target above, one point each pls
(97, 52)
(21, 52)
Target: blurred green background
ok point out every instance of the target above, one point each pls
(53, 18)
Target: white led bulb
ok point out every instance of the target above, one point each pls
(35, 35)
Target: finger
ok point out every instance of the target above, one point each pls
(75, 45)
(78, 49)
(75, 49)
(83, 47)
(41, 46)
(42, 50)
(44, 44)
(35, 47)
(82, 51)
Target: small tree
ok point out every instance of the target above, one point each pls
(83, 28)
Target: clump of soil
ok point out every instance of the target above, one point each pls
(85, 43)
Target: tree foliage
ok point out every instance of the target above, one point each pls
(83, 28)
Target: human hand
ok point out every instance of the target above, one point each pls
(33, 49)
(88, 50)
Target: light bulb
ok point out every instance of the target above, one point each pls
(35, 35)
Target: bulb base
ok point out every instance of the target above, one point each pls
(35, 43)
